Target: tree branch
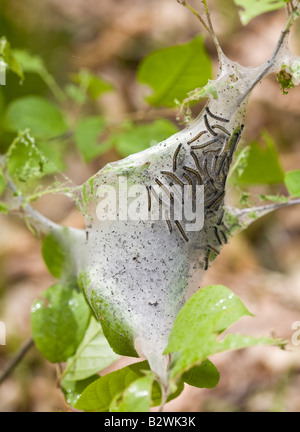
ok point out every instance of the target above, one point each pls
(284, 33)
(208, 27)
(249, 215)
(16, 360)
(39, 222)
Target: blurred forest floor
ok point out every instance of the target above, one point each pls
(260, 265)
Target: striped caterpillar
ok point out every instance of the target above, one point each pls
(123, 290)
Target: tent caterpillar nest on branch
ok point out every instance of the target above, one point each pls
(172, 259)
(121, 288)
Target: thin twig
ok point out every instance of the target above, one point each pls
(208, 27)
(244, 215)
(141, 116)
(271, 207)
(164, 397)
(283, 35)
(292, 7)
(212, 31)
(16, 360)
(196, 13)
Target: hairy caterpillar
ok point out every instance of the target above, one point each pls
(196, 137)
(175, 157)
(214, 116)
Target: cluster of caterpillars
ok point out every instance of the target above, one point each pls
(209, 169)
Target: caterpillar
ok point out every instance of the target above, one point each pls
(224, 236)
(215, 117)
(216, 200)
(175, 157)
(192, 171)
(224, 147)
(222, 160)
(207, 143)
(211, 151)
(208, 127)
(220, 218)
(158, 199)
(149, 197)
(196, 137)
(168, 222)
(190, 182)
(217, 235)
(213, 164)
(206, 259)
(234, 140)
(160, 184)
(197, 163)
(181, 230)
(174, 177)
(212, 248)
(221, 128)
(205, 167)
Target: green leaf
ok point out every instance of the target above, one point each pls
(204, 375)
(292, 182)
(194, 336)
(56, 254)
(285, 80)
(29, 62)
(30, 159)
(258, 164)
(175, 71)
(86, 135)
(24, 159)
(136, 398)
(249, 9)
(92, 355)
(157, 394)
(59, 320)
(73, 389)
(8, 59)
(3, 208)
(43, 118)
(75, 93)
(53, 152)
(35, 64)
(98, 396)
(116, 330)
(139, 137)
(2, 183)
(94, 85)
(200, 93)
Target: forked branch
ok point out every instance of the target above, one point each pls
(208, 26)
(292, 16)
(34, 220)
